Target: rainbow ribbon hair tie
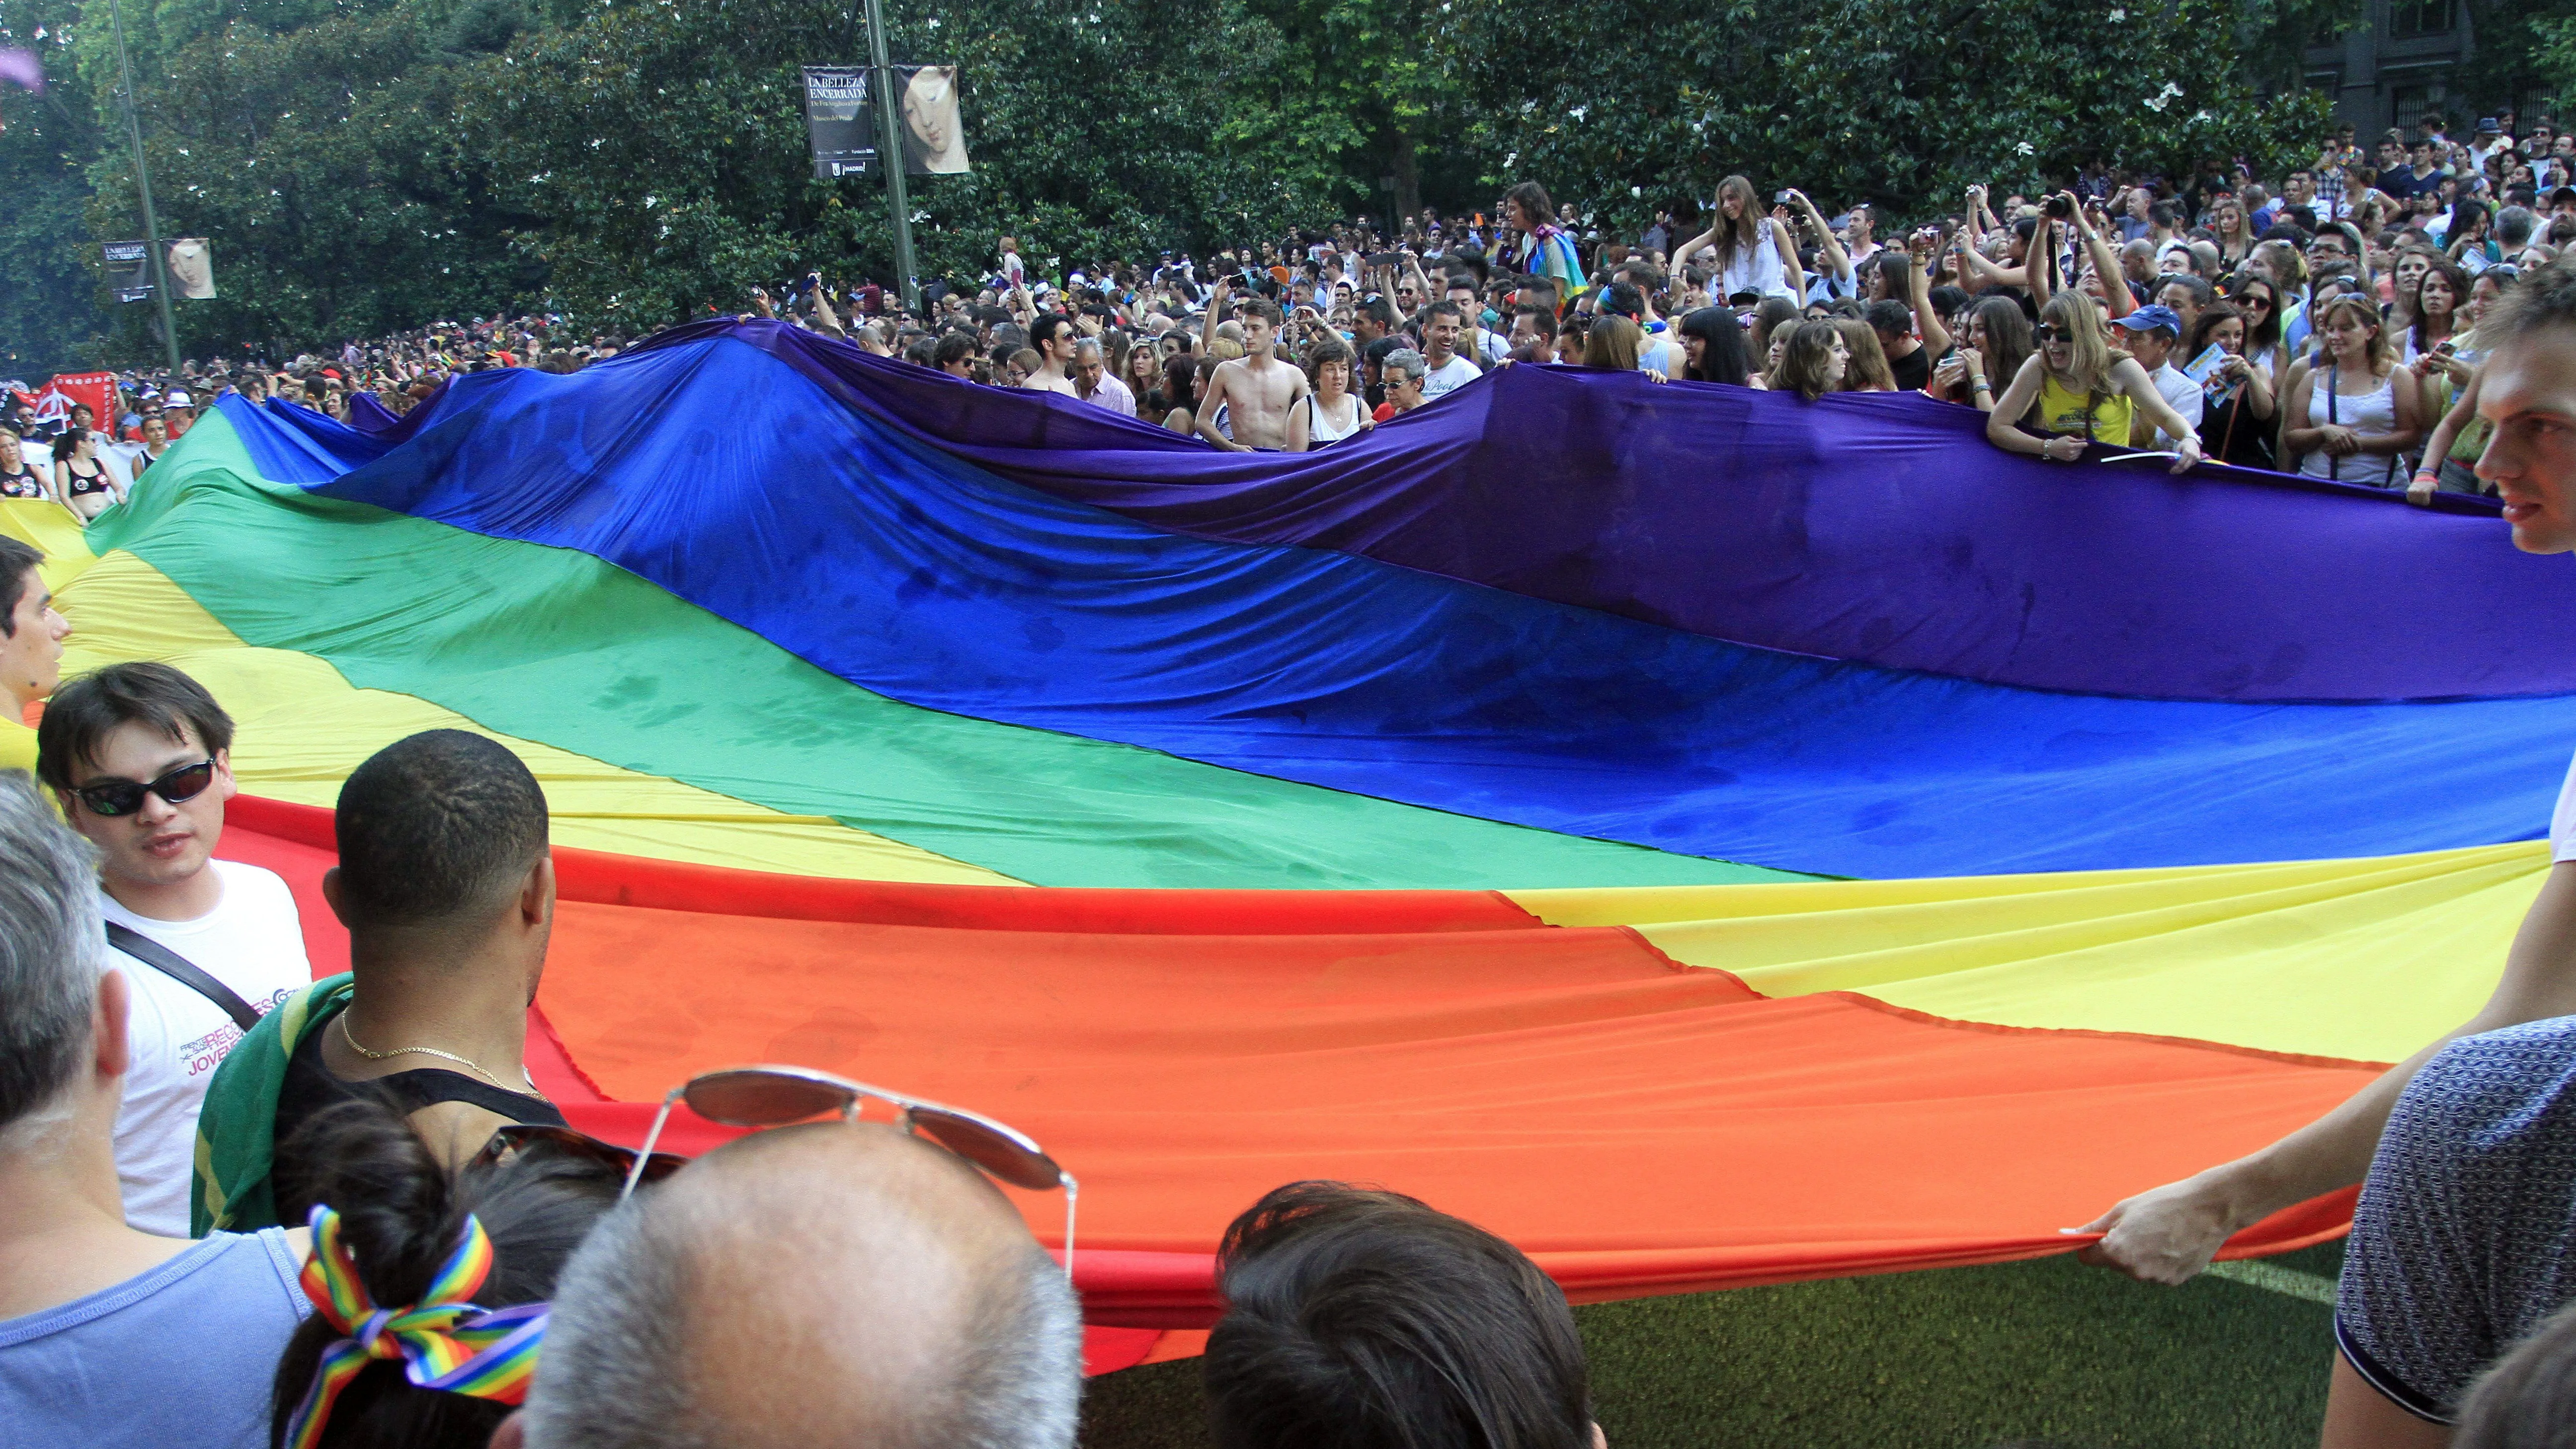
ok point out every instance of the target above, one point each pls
(445, 1342)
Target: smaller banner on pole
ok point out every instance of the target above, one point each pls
(840, 122)
(129, 270)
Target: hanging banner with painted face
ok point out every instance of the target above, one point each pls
(934, 133)
(191, 268)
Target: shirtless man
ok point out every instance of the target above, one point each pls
(1053, 338)
(1258, 390)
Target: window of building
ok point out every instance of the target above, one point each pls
(2419, 17)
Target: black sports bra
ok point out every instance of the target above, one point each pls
(21, 484)
(76, 484)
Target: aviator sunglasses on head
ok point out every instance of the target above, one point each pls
(124, 797)
(770, 1096)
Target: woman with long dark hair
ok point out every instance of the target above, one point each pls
(1183, 379)
(2471, 244)
(1994, 344)
(86, 491)
(466, 1260)
(2236, 422)
(1713, 346)
(2440, 310)
(2259, 299)
(1813, 360)
(2450, 458)
(1867, 369)
(1541, 247)
(1750, 250)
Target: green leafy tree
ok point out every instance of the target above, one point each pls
(1370, 90)
(2523, 46)
(322, 163)
(659, 147)
(1857, 100)
(50, 314)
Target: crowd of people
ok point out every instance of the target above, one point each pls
(2322, 321)
(403, 1243)
(344, 1212)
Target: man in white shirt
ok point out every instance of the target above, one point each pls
(2154, 332)
(1092, 377)
(140, 757)
(1444, 370)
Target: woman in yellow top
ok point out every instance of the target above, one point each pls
(2075, 387)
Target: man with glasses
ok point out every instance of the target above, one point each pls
(831, 1283)
(140, 756)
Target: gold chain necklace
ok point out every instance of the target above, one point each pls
(442, 1056)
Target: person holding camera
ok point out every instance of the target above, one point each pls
(2081, 391)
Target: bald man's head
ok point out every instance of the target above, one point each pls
(812, 1286)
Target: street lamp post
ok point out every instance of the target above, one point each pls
(890, 155)
(143, 180)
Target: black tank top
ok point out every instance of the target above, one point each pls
(76, 484)
(21, 484)
(311, 1088)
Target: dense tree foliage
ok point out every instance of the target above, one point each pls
(659, 145)
(1856, 100)
(365, 165)
(49, 296)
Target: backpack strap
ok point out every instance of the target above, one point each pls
(182, 970)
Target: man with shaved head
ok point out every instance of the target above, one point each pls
(816, 1286)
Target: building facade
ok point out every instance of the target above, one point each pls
(2397, 67)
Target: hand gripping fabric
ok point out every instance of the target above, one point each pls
(445, 1342)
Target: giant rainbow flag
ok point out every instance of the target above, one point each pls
(1708, 837)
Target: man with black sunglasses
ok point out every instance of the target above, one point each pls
(140, 756)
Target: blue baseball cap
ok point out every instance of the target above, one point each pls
(2152, 317)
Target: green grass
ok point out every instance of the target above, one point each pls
(1959, 1359)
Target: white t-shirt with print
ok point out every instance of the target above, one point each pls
(1449, 376)
(253, 942)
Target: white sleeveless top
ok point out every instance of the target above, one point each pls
(1320, 429)
(2374, 411)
